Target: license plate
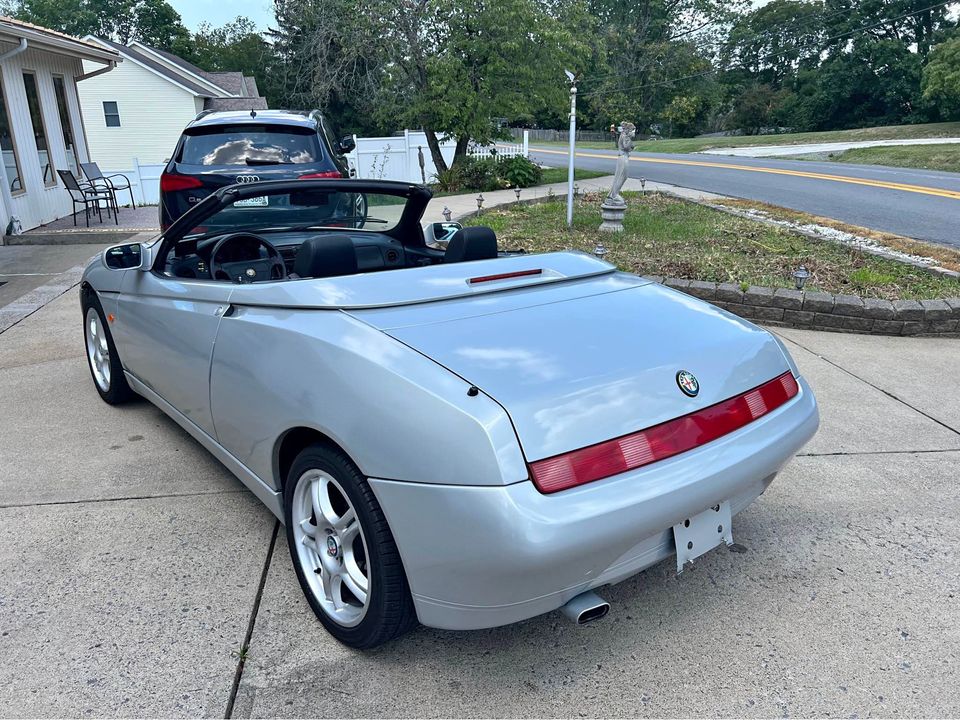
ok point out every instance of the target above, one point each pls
(702, 532)
(259, 201)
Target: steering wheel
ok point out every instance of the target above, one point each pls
(246, 271)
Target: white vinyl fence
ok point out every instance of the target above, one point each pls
(398, 157)
(144, 181)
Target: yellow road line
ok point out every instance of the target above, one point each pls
(939, 192)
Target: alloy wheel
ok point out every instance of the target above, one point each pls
(98, 350)
(331, 547)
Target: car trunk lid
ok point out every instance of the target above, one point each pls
(592, 361)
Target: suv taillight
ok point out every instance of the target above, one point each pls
(172, 183)
(320, 175)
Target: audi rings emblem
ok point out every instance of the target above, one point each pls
(247, 179)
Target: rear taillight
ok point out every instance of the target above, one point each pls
(661, 441)
(172, 183)
(321, 175)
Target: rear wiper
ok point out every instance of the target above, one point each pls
(252, 161)
(356, 218)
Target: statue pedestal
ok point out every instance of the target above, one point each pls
(612, 215)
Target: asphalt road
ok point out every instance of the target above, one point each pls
(921, 204)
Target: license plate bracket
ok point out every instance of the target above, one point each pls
(702, 532)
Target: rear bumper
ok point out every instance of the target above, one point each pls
(479, 557)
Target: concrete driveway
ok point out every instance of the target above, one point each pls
(133, 567)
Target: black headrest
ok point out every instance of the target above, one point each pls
(471, 243)
(326, 256)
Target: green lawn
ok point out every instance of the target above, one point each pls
(686, 145)
(555, 175)
(944, 156)
(672, 237)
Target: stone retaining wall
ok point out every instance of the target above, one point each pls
(822, 311)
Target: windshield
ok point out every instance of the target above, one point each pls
(310, 209)
(250, 144)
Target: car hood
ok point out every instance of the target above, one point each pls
(588, 361)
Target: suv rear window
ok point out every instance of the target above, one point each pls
(250, 145)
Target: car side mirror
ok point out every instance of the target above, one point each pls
(347, 144)
(128, 256)
(438, 234)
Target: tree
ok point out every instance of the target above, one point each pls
(650, 52)
(153, 22)
(462, 66)
(452, 68)
(941, 79)
(758, 107)
(236, 46)
(331, 54)
(773, 42)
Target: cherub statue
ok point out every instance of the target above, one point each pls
(624, 146)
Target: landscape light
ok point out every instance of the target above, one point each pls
(600, 251)
(643, 186)
(800, 276)
(517, 191)
(446, 213)
(479, 203)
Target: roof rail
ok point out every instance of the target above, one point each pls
(203, 113)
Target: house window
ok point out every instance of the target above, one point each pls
(11, 164)
(60, 90)
(111, 113)
(39, 131)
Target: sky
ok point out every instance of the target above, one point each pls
(218, 12)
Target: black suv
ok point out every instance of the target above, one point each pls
(222, 148)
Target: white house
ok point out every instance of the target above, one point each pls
(134, 115)
(41, 130)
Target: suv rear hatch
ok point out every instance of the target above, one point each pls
(209, 157)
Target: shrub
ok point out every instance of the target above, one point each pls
(472, 174)
(518, 171)
(447, 180)
(479, 174)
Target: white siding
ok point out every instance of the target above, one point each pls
(153, 112)
(39, 203)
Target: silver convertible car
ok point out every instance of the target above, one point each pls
(453, 435)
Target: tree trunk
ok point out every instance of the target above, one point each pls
(434, 146)
(461, 150)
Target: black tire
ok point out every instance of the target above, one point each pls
(390, 611)
(118, 391)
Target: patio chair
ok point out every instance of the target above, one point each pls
(92, 171)
(88, 196)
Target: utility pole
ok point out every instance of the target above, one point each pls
(573, 135)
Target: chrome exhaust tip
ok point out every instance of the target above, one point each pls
(585, 607)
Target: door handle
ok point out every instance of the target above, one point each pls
(224, 310)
